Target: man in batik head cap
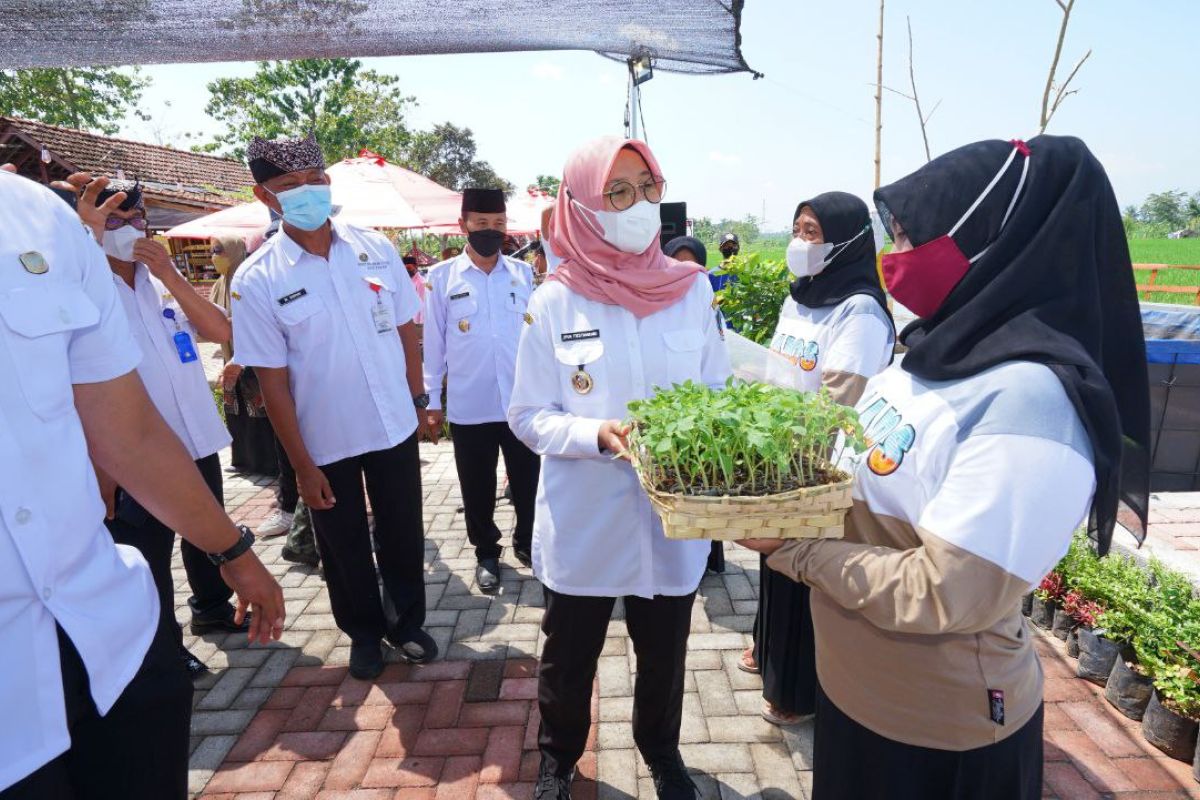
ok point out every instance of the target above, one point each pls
(474, 313)
(324, 311)
(168, 317)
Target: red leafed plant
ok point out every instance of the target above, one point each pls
(1081, 609)
(1052, 588)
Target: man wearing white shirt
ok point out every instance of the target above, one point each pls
(165, 315)
(323, 312)
(475, 310)
(97, 703)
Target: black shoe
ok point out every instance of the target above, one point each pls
(366, 660)
(551, 786)
(414, 647)
(194, 666)
(221, 622)
(671, 779)
(297, 557)
(487, 575)
(522, 554)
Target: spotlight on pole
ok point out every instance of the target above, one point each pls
(641, 69)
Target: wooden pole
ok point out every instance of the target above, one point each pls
(879, 100)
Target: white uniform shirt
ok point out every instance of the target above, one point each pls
(57, 561)
(594, 531)
(473, 324)
(855, 336)
(180, 391)
(322, 320)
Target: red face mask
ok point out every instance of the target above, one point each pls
(922, 278)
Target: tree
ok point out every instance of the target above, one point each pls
(349, 108)
(915, 98)
(447, 155)
(1166, 208)
(879, 101)
(1059, 90)
(88, 98)
(549, 184)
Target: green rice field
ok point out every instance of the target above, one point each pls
(1143, 251)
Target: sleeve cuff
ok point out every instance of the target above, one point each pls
(585, 434)
(99, 370)
(789, 559)
(253, 359)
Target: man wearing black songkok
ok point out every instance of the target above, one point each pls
(324, 312)
(475, 310)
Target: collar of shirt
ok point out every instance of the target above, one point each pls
(291, 250)
(463, 262)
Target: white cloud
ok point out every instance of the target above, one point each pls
(724, 158)
(547, 71)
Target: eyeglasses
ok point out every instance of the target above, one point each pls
(114, 223)
(623, 194)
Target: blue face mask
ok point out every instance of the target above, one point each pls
(306, 207)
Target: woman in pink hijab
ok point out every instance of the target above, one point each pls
(615, 320)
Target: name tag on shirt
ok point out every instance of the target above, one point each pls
(291, 298)
(579, 336)
(460, 295)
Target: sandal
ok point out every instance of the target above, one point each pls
(782, 718)
(746, 663)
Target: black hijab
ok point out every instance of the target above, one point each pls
(1055, 286)
(852, 271)
(687, 243)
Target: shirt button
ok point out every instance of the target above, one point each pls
(23, 516)
(46, 592)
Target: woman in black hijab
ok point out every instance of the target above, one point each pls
(836, 332)
(1020, 409)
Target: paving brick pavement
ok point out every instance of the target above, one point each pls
(285, 721)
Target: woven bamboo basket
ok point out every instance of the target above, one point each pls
(815, 512)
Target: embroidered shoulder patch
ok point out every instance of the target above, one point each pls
(235, 295)
(528, 318)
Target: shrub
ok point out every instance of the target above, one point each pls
(752, 299)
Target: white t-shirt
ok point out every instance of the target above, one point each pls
(58, 563)
(579, 364)
(333, 325)
(179, 390)
(855, 337)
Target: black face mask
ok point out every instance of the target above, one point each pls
(729, 252)
(486, 242)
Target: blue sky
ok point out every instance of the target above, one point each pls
(729, 144)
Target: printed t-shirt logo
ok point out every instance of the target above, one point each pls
(800, 352)
(887, 436)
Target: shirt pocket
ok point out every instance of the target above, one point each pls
(461, 315)
(683, 350)
(583, 377)
(305, 317)
(40, 323)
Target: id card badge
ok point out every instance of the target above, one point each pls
(183, 346)
(381, 317)
(183, 341)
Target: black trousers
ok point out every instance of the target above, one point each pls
(849, 760)
(575, 628)
(393, 480)
(784, 642)
(135, 526)
(477, 451)
(138, 750)
(287, 494)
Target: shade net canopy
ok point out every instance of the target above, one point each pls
(694, 36)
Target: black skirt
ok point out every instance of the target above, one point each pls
(716, 558)
(783, 643)
(253, 448)
(851, 761)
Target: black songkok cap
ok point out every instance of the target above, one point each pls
(132, 190)
(483, 201)
(271, 158)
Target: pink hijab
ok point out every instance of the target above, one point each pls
(643, 282)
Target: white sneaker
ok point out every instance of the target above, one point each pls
(277, 525)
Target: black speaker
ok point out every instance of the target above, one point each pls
(674, 221)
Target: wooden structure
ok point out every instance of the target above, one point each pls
(1152, 285)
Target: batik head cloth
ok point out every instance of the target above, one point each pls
(270, 158)
(133, 193)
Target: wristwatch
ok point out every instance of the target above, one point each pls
(421, 401)
(243, 544)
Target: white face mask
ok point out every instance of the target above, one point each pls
(808, 259)
(631, 230)
(119, 243)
